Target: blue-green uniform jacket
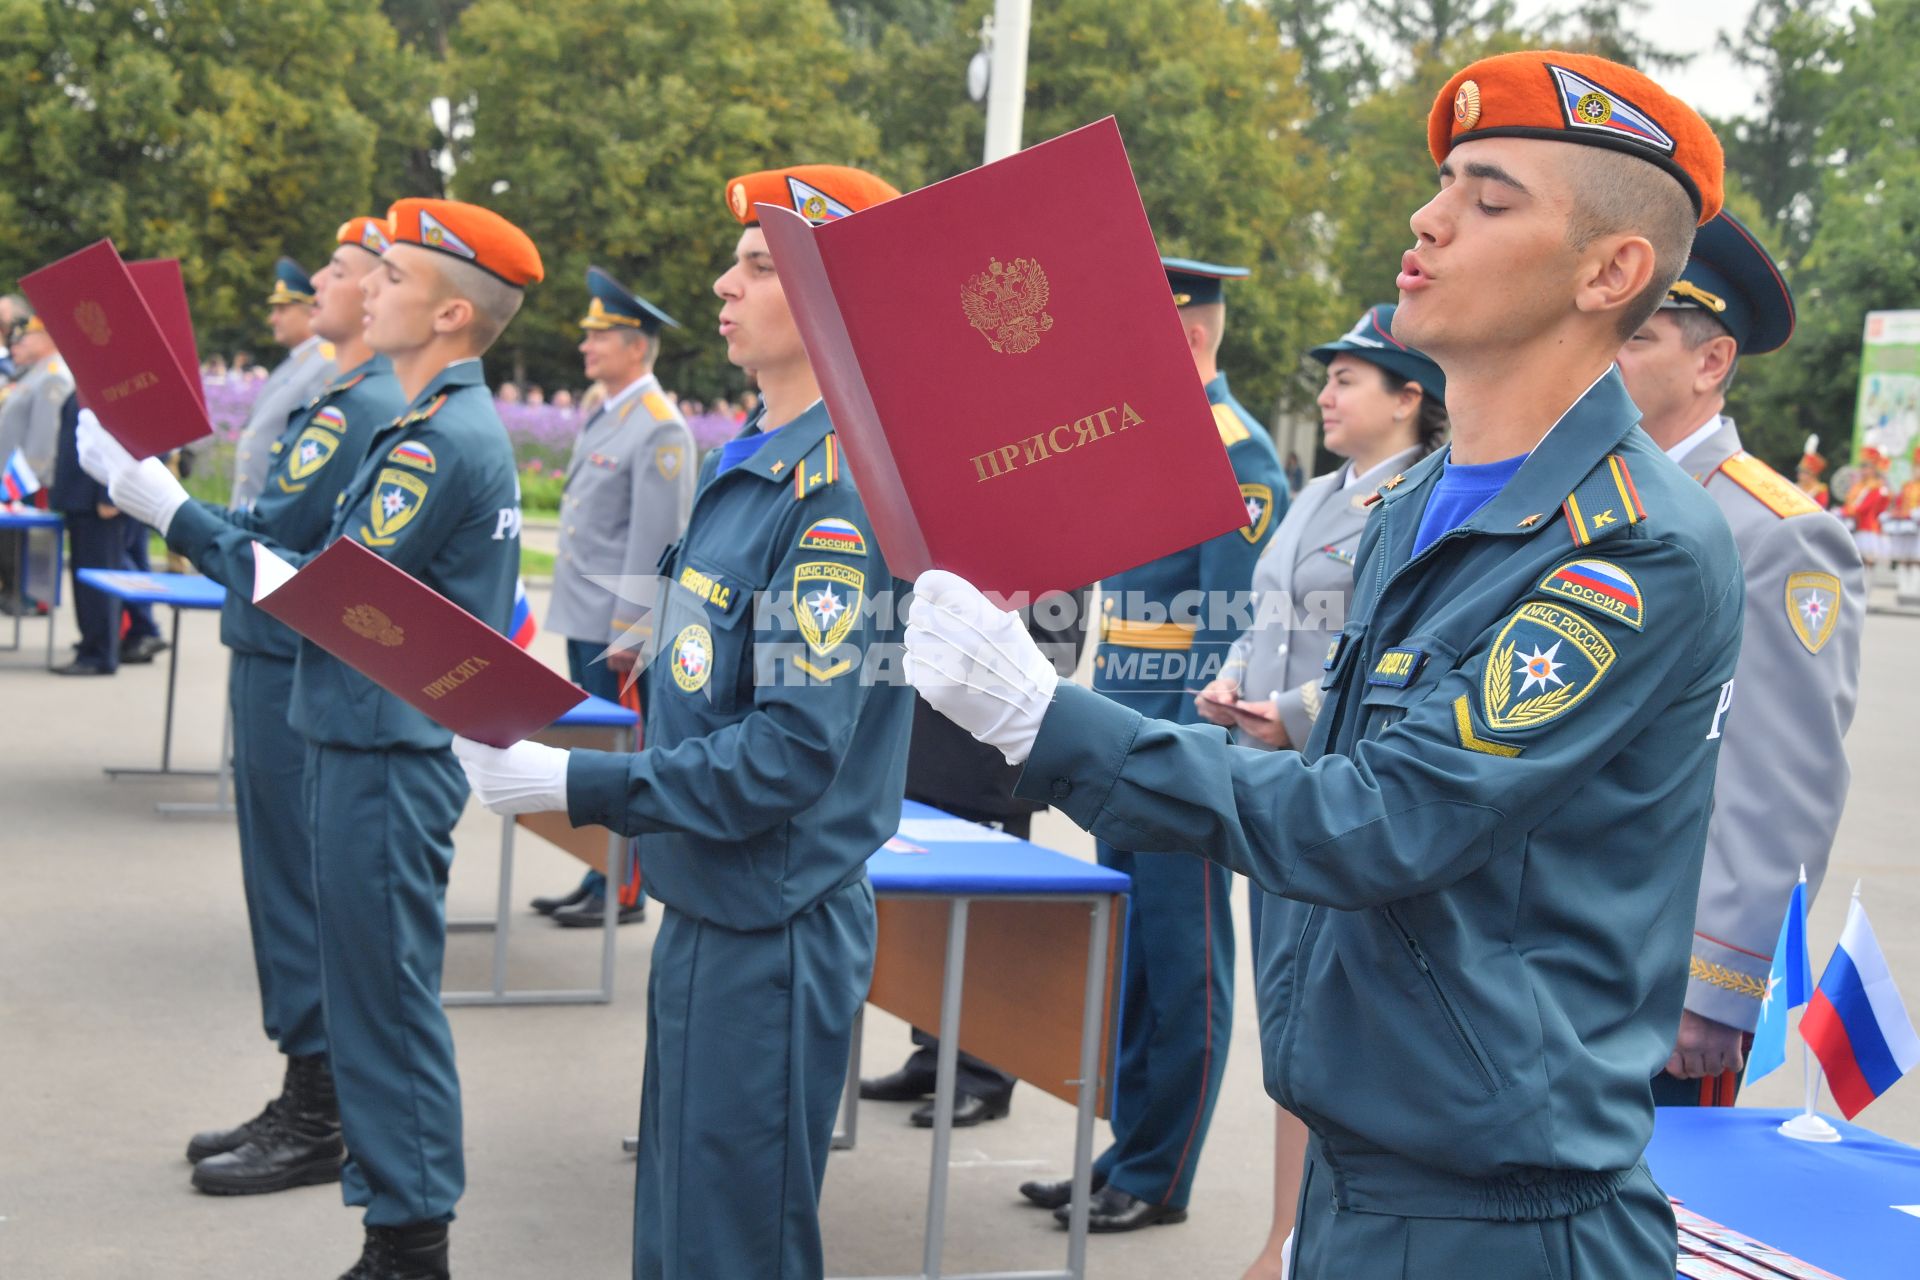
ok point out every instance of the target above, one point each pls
(1487, 857)
(1166, 626)
(774, 761)
(437, 495)
(320, 449)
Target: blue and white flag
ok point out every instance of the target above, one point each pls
(1789, 985)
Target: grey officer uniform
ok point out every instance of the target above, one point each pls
(1301, 586)
(304, 374)
(30, 415)
(1783, 774)
(628, 493)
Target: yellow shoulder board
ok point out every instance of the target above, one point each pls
(818, 469)
(1775, 492)
(1232, 430)
(657, 406)
(328, 351)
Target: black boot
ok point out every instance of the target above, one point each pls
(214, 1141)
(417, 1251)
(298, 1145)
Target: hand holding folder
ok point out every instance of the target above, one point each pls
(413, 642)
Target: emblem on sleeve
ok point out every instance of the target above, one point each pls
(1544, 663)
(397, 496)
(692, 658)
(411, 453)
(1259, 501)
(842, 537)
(312, 451)
(826, 603)
(1813, 606)
(1599, 585)
(668, 459)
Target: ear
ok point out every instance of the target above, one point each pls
(1613, 271)
(1717, 355)
(1199, 337)
(453, 315)
(1407, 399)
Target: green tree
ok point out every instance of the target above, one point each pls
(608, 129)
(223, 133)
(1419, 27)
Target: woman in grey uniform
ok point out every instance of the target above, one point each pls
(1382, 409)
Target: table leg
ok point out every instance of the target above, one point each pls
(173, 676)
(1089, 1087)
(19, 600)
(166, 769)
(943, 1089)
(59, 571)
(503, 908)
(223, 790)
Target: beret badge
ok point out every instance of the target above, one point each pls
(1466, 106)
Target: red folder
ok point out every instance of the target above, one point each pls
(415, 643)
(165, 293)
(124, 364)
(1004, 364)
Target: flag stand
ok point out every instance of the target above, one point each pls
(1807, 1126)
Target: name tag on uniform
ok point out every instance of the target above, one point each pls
(710, 589)
(1396, 668)
(1333, 652)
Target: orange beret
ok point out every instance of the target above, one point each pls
(817, 192)
(1576, 97)
(367, 233)
(468, 232)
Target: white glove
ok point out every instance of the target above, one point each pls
(527, 777)
(100, 454)
(976, 665)
(148, 492)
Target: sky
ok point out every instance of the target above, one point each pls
(1713, 83)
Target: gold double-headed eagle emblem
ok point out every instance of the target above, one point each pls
(369, 623)
(92, 319)
(1007, 304)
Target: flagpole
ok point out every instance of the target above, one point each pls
(1808, 1126)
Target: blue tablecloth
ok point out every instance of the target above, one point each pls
(181, 590)
(597, 713)
(958, 862)
(29, 520)
(1830, 1204)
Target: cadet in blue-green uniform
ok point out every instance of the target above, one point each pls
(296, 1140)
(437, 496)
(1482, 867)
(774, 765)
(1165, 630)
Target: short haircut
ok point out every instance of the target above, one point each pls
(495, 302)
(1697, 328)
(1618, 194)
(1210, 315)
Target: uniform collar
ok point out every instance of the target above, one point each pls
(1587, 432)
(461, 373)
(300, 349)
(1217, 392)
(786, 446)
(1701, 453)
(643, 383)
(375, 363)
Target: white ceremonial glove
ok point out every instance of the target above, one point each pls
(100, 454)
(527, 777)
(976, 665)
(148, 492)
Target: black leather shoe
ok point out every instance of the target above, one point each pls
(297, 1144)
(547, 906)
(1052, 1195)
(592, 913)
(908, 1084)
(417, 1251)
(143, 650)
(78, 668)
(212, 1142)
(1114, 1210)
(969, 1109)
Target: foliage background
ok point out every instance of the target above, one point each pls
(229, 132)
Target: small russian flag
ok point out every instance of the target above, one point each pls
(522, 629)
(18, 482)
(1856, 1023)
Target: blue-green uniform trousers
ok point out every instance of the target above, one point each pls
(385, 819)
(312, 460)
(1177, 988)
(276, 851)
(732, 1017)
